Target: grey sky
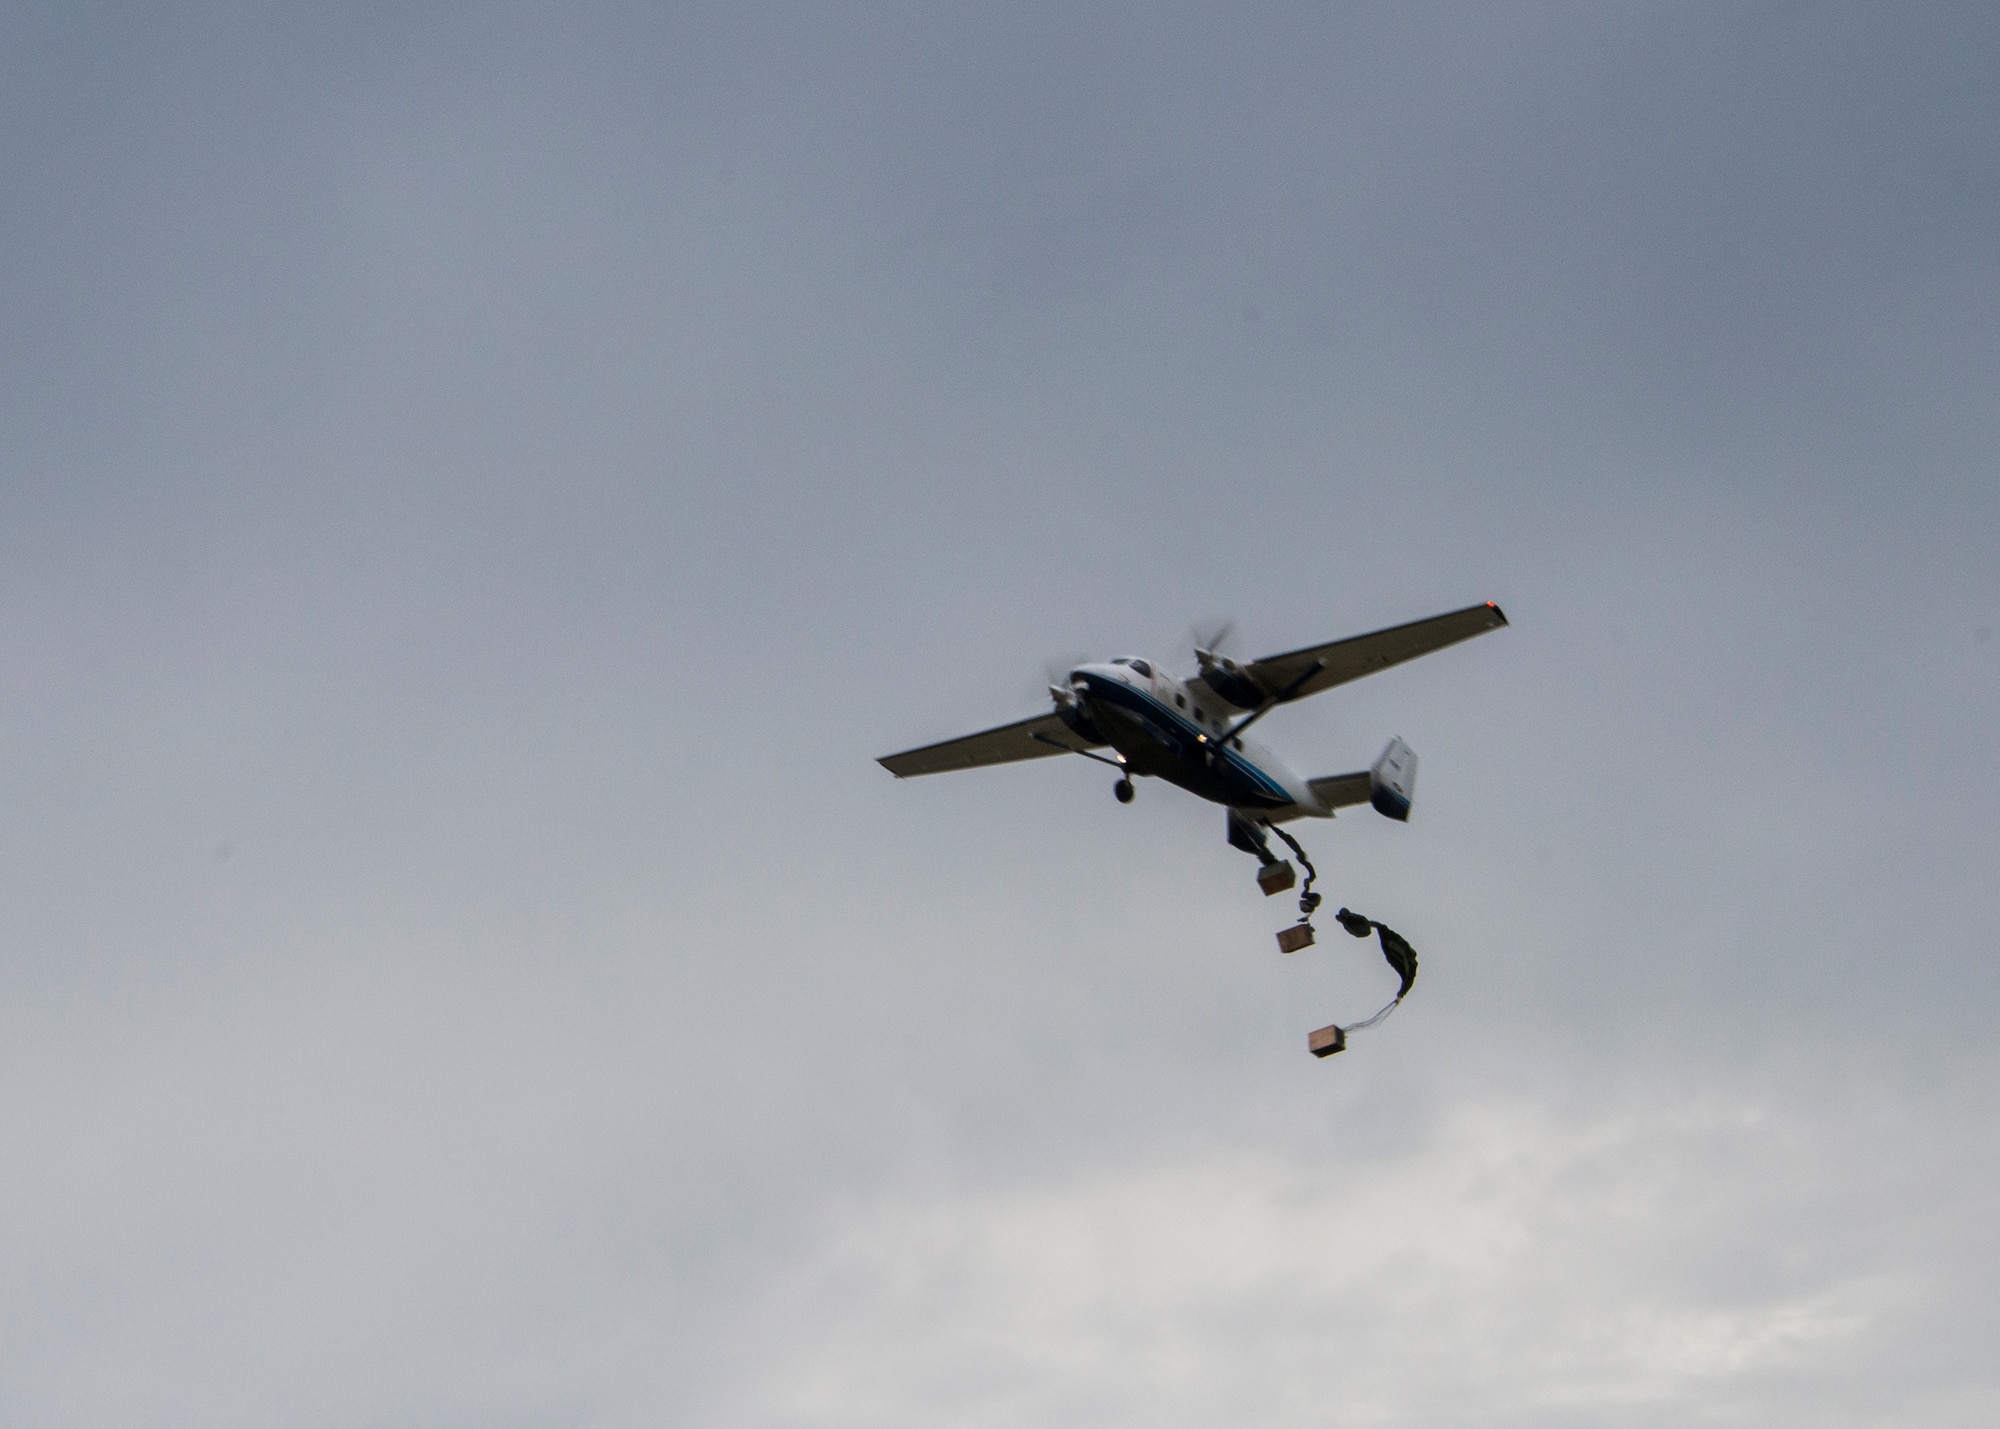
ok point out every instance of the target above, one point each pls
(481, 484)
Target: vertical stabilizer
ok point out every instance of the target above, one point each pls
(1392, 783)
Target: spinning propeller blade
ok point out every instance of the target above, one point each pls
(1055, 675)
(1211, 637)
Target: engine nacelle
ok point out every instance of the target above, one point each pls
(1075, 715)
(1230, 681)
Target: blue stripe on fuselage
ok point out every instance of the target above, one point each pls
(1186, 742)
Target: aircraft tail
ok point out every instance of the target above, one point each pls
(1390, 785)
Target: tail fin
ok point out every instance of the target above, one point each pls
(1389, 786)
(1392, 783)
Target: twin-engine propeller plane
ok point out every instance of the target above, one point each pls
(1195, 732)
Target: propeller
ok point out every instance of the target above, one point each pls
(1055, 675)
(1222, 672)
(1211, 638)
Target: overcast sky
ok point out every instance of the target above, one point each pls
(480, 485)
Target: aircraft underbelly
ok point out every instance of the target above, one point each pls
(1145, 745)
(1152, 748)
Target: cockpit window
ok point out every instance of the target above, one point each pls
(1121, 660)
(1140, 667)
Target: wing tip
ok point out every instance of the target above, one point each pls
(1499, 615)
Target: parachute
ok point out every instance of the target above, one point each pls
(1400, 956)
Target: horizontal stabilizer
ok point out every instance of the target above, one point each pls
(1339, 791)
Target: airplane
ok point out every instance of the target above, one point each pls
(1193, 733)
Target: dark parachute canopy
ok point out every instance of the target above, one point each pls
(1396, 951)
(1401, 956)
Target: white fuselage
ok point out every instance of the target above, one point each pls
(1166, 727)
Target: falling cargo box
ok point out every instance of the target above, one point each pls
(1276, 877)
(1327, 1041)
(1299, 935)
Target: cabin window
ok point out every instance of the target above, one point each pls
(1180, 701)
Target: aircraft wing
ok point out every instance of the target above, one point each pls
(1360, 655)
(1023, 739)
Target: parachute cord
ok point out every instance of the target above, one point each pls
(1308, 900)
(1393, 1004)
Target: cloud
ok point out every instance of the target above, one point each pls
(1655, 1260)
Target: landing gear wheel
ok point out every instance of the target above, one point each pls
(1123, 789)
